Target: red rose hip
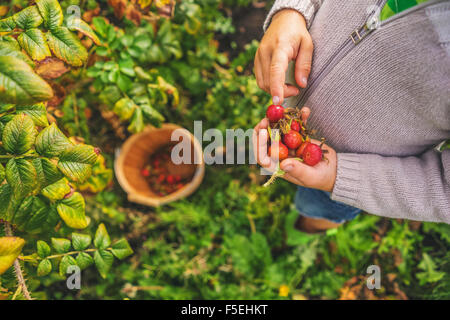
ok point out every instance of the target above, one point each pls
(295, 126)
(275, 113)
(292, 139)
(299, 151)
(283, 151)
(312, 154)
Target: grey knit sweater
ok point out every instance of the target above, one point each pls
(382, 103)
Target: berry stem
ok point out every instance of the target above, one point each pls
(275, 175)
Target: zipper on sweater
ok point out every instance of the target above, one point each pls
(358, 35)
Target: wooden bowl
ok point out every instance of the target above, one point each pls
(136, 152)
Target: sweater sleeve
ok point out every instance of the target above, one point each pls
(415, 188)
(307, 8)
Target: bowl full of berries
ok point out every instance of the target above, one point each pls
(146, 172)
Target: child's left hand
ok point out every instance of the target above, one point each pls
(322, 176)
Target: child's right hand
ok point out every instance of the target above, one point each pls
(286, 39)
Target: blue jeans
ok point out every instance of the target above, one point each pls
(315, 203)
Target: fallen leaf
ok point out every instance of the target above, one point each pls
(119, 7)
(90, 14)
(58, 97)
(133, 14)
(51, 68)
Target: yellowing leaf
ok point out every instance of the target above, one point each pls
(19, 84)
(21, 176)
(10, 49)
(7, 24)
(76, 162)
(66, 46)
(100, 178)
(50, 142)
(37, 112)
(28, 18)
(124, 108)
(52, 13)
(10, 248)
(72, 211)
(76, 24)
(19, 134)
(57, 190)
(33, 42)
(47, 172)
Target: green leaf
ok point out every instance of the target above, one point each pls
(80, 241)
(121, 249)
(43, 249)
(10, 248)
(52, 13)
(101, 239)
(57, 190)
(2, 173)
(8, 204)
(127, 67)
(21, 176)
(7, 24)
(430, 274)
(124, 82)
(66, 46)
(103, 261)
(65, 263)
(19, 84)
(47, 172)
(137, 121)
(76, 24)
(28, 18)
(37, 112)
(61, 245)
(8, 49)
(19, 134)
(72, 211)
(76, 162)
(124, 108)
(33, 42)
(44, 268)
(151, 114)
(27, 209)
(33, 215)
(50, 142)
(295, 237)
(84, 260)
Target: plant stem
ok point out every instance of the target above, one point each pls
(70, 253)
(19, 274)
(274, 176)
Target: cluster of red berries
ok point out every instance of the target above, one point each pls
(158, 177)
(295, 140)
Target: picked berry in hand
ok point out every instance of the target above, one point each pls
(275, 113)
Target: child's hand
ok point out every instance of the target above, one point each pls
(322, 176)
(286, 39)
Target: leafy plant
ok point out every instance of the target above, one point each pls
(39, 165)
